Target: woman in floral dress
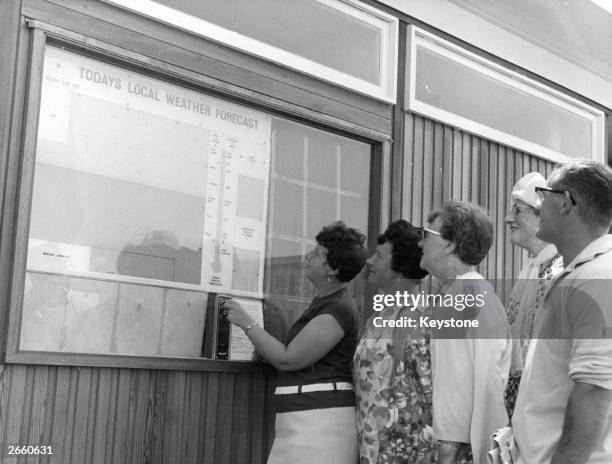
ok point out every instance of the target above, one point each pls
(392, 366)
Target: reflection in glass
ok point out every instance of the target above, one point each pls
(308, 28)
(129, 189)
(335, 186)
(81, 315)
(448, 84)
(145, 171)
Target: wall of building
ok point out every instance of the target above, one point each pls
(219, 414)
(104, 415)
(442, 162)
(485, 35)
(122, 411)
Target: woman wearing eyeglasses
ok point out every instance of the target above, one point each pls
(392, 365)
(534, 278)
(314, 398)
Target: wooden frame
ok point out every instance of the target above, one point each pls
(500, 74)
(43, 33)
(387, 24)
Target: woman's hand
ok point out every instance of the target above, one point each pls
(236, 314)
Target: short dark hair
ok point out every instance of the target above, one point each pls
(345, 249)
(590, 182)
(468, 226)
(405, 252)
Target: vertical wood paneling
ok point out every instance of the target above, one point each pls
(103, 415)
(437, 181)
(399, 175)
(428, 165)
(27, 404)
(483, 190)
(492, 202)
(224, 419)
(9, 25)
(498, 212)
(508, 248)
(139, 407)
(417, 178)
(113, 382)
(258, 419)
(475, 172)
(121, 425)
(442, 163)
(456, 153)
(240, 415)
(447, 164)
(160, 414)
(211, 417)
(103, 401)
(12, 410)
(409, 171)
(59, 429)
(13, 68)
(173, 423)
(11, 90)
(40, 403)
(81, 431)
(190, 417)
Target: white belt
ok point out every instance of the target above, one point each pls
(314, 387)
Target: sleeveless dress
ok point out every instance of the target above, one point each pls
(393, 389)
(319, 426)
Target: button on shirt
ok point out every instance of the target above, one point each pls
(573, 343)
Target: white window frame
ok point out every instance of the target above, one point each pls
(417, 36)
(387, 25)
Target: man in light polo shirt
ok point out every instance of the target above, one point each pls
(563, 412)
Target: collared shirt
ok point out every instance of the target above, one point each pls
(573, 344)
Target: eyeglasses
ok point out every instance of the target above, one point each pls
(540, 192)
(516, 209)
(425, 232)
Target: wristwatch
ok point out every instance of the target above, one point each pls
(250, 326)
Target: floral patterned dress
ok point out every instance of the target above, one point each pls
(394, 419)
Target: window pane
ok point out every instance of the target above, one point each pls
(62, 313)
(304, 27)
(449, 85)
(148, 196)
(175, 172)
(141, 173)
(336, 186)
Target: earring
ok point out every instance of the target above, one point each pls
(328, 278)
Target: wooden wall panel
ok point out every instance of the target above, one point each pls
(101, 415)
(108, 416)
(256, 409)
(13, 58)
(441, 163)
(104, 415)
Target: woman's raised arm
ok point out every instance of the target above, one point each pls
(312, 343)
